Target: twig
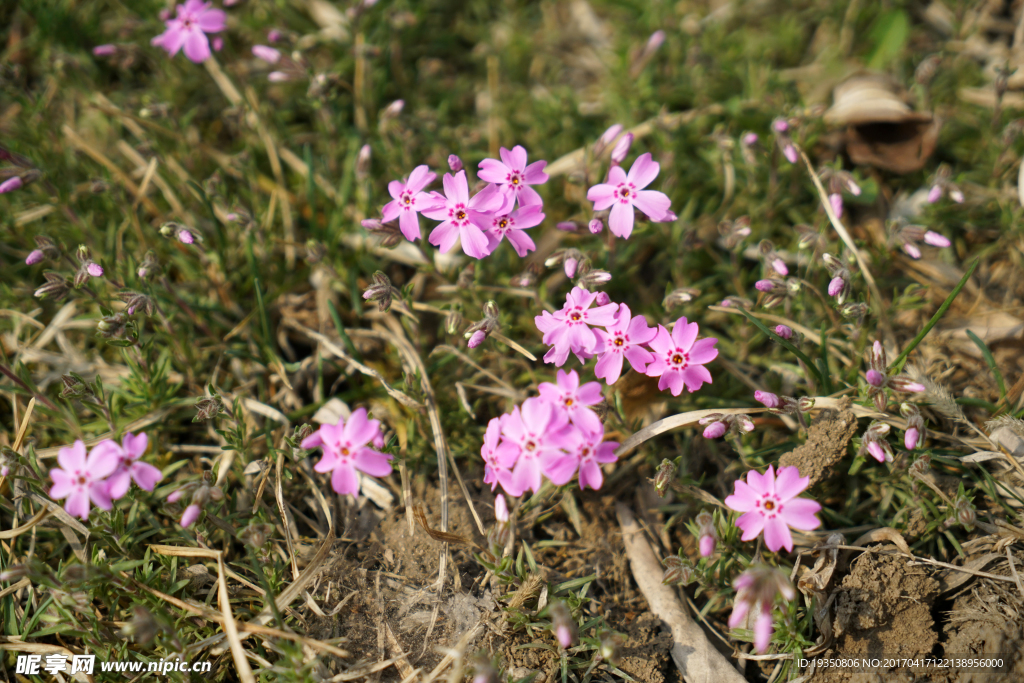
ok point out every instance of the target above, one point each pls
(1013, 568)
(696, 658)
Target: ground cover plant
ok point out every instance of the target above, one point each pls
(529, 341)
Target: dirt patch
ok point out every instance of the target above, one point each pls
(883, 607)
(826, 444)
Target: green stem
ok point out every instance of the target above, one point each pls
(794, 350)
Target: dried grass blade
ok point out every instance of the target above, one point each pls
(230, 628)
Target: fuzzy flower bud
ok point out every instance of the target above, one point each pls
(836, 286)
(562, 624)
(965, 513)
(207, 408)
(56, 287)
(363, 162)
(34, 257)
(10, 185)
(454, 163)
(500, 508)
(715, 430)
(874, 442)
(664, 477)
(610, 646)
(707, 536)
(836, 200)
(678, 297)
(476, 339)
(593, 278)
(677, 571)
(381, 291)
(148, 267)
(190, 515)
(785, 332)
(768, 399)
(453, 321)
(875, 378)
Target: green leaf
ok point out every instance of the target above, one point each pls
(889, 35)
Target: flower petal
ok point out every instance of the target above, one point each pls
(591, 475)
(654, 204)
(684, 334)
(73, 457)
(145, 475)
(197, 46)
(695, 376)
(743, 499)
(800, 513)
(620, 220)
(776, 535)
(602, 195)
(344, 481)
(77, 504)
(212, 20)
(373, 463)
(420, 177)
(62, 484)
(703, 351)
(789, 483)
(751, 523)
(609, 367)
(643, 171)
(118, 483)
(444, 236)
(359, 430)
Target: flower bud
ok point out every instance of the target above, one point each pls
(875, 378)
(664, 477)
(677, 571)
(749, 139)
(609, 646)
(267, 54)
(453, 321)
(56, 287)
(34, 257)
(207, 408)
(715, 430)
(562, 624)
(594, 277)
(706, 533)
(568, 226)
(595, 226)
(622, 149)
(836, 286)
(363, 162)
(965, 513)
(768, 399)
(10, 185)
(256, 535)
(381, 291)
(190, 515)
(934, 194)
(805, 404)
(602, 299)
(74, 387)
(678, 297)
(500, 508)
(906, 385)
(784, 331)
(454, 163)
(476, 339)
(836, 200)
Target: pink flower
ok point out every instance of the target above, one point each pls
(770, 505)
(569, 329)
(463, 217)
(128, 465)
(513, 177)
(679, 358)
(409, 199)
(498, 462)
(104, 50)
(875, 378)
(624, 191)
(539, 433)
(784, 331)
(266, 53)
(94, 269)
(623, 339)
(190, 515)
(195, 19)
(573, 399)
(345, 451)
(512, 225)
(34, 257)
(768, 399)
(586, 452)
(10, 185)
(759, 585)
(82, 479)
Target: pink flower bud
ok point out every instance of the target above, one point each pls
(764, 285)
(875, 378)
(714, 430)
(164, 14)
(602, 299)
(394, 109)
(876, 451)
(267, 54)
(707, 545)
(477, 339)
(94, 269)
(454, 163)
(956, 195)
(564, 635)
(750, 139)
(780, 266)
(595, 225)
(570, 267)
(622, 148)
(190, 516)
(186, 237)
(835, 286)
(668, 217)
(934, 194)
(768, 399)
(789, 151)
(175, 495)
(655, 41)
(34, 257)
(780, 125)
(853, 187)
(610, 134)
(910, 439)
(935, 239)
(273, 35)
(912, 250)
(567, 226)
(784, 331)
(104, 50)
(278, 77)
(217, 43)
(10, 185)
(500, 508)
(836, 200)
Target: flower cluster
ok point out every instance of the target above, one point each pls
(878, 380)
(757, 589)
(678, 358)
(770, 504)
(554, 435)
(502, 209)
(346, 450)
(102, 475)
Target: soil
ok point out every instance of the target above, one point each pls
(827, 440)
(886, 606)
